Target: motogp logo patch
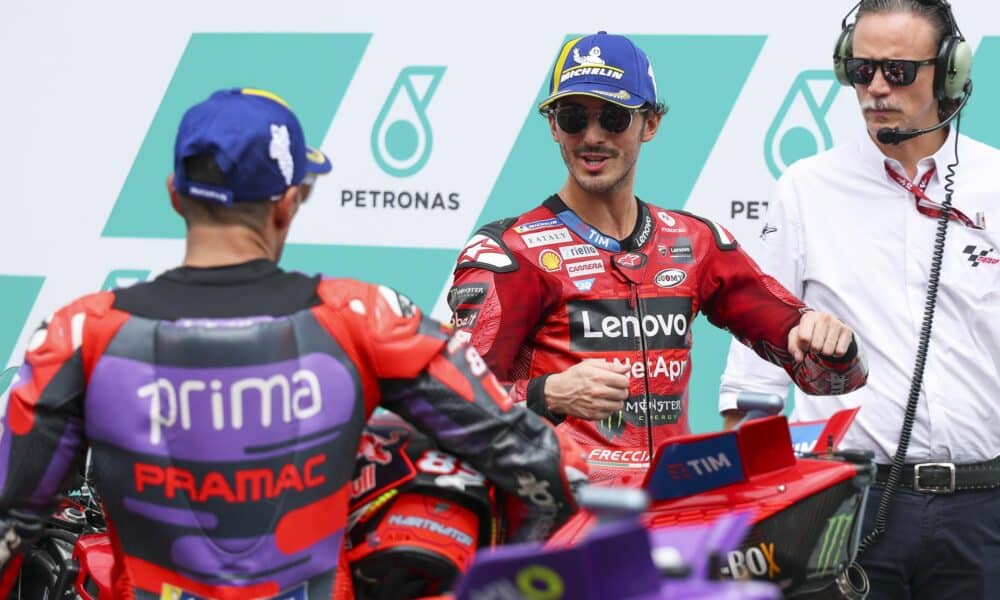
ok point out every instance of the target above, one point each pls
(980, 257)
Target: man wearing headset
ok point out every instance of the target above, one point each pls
(857, 230)
(583, 305)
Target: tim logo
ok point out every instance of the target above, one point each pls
(698, 467)
(401, 136)
(981, 257)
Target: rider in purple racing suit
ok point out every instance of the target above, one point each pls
(224, 401)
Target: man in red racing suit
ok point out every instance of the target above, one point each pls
(594, 273)
(224, 401)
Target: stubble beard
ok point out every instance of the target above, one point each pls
(600, 184)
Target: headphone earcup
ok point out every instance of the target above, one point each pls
(952, 68)
(841, 51)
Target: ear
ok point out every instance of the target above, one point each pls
(175, 199)
(650, 125)
(283, 210)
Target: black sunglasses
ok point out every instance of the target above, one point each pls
(573, 118)
(896, 71)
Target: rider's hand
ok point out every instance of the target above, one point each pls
(593, 389)
(821, 333)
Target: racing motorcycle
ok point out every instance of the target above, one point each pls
(658, 565)
(418, 516)
(805, 509)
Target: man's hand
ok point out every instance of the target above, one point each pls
(731, 418)
(821, 333)
(593, 389)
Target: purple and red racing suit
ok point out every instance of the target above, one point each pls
(540, 292)
(224, 408)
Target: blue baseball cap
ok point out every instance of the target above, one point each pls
(255, 139)
(605, 66)
(317, 164)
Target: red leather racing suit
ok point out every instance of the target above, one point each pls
(224, 408)
(541, 292)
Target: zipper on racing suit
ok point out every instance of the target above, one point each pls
(636, 305)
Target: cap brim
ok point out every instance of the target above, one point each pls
(612, 94)
(317, 163)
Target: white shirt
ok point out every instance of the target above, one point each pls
(847, 239)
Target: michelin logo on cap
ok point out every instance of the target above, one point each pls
(604, 66)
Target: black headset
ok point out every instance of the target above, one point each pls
(951, 67)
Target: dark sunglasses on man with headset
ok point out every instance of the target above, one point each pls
(896, 71)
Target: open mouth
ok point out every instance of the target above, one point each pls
(594, 162)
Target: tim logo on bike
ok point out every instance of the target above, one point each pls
(703, 463)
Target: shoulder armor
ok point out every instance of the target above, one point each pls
(486, 249)
(723, 239)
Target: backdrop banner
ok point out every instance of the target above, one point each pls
(428, 113)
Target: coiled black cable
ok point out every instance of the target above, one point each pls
(899, 460)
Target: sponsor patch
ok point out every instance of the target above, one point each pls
(464, 318)
(484, 250)
(584, 285)
(468, 294)
(692, 467)
(755, 561)
(665, 218)
(638, 458)
(578, 251)
(535, 225)
(668, 278)
(631, 260)
(647, 229)
(660, 410)
(612, 325)
(549, 261)
(547, 238)
(681, 251)
(585, 267)
(981, 257)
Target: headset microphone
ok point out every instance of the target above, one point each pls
(894, 136)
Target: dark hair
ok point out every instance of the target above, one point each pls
(203, 168)
(932, 10)
(659, 108)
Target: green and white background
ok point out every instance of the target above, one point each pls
(435, 99)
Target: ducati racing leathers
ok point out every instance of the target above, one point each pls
(224, 408)
(539, 293)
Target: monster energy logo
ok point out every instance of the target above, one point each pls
(833, 541)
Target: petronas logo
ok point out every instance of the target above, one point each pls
(402, 138)
(833, 542)
(799, 130)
